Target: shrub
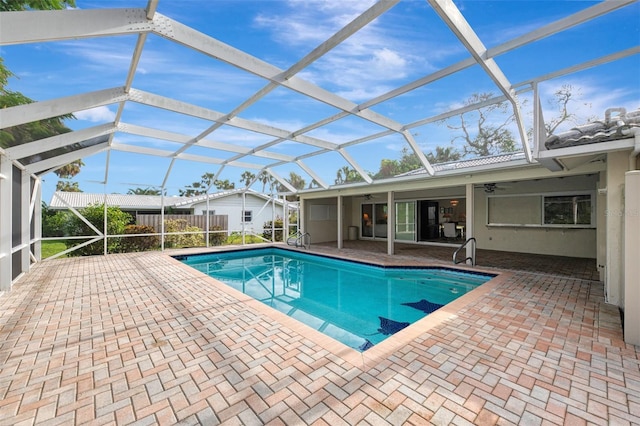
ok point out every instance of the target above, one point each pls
(278, 231)
(236, 238)
(140, 242)
(217, 236)
(117, 220)
(182, 240)
(54, 223)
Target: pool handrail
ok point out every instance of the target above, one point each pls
(300, 239)
(472, 258)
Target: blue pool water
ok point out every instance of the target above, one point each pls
(357, 304)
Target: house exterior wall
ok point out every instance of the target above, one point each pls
(321, 219)
(631, 293)
(232, 207)
(617, 163)
(574, 242)
(566, 241)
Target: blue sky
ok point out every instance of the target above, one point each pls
(403, 45)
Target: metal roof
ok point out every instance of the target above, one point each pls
(61, 200)
(299, 146)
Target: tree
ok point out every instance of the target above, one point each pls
(64, 186)
(296, 180)
(144, 191)
(29, 132)
(485, 138)
(443, 155)
(266, 179)
(247, 177)
(70, 170)
(347, 175)
(224, 184)
(19, 5)
(198, 188)
(561, 101)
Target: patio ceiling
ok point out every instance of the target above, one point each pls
(276, 149)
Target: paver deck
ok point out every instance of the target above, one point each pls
(143, 339)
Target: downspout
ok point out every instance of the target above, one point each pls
(635, 131)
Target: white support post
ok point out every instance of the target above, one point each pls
(391, 222)
(25, 224)
(105, 224)
(6, 177)
(470, 211)
(36, 219)
(285, 219)
(244, 206)
(631, 256)
(614, 285)
(162, 236)
(340, 222)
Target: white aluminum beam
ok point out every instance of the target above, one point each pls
(416, 149)
(36, 26)
(141, 150)
(311, 173)
(355, 165)
(6, 226)
(450, 14)
(207, 114)
(558, 26)
(206, 143)
(282, 181)
(218, 50)
(59, 141)
(365, 18)
(36, 111)
(61, 160)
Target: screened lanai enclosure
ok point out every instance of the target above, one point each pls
(409, 121)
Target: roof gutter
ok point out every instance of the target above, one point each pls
(635, 132)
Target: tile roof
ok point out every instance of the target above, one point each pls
(611, 128)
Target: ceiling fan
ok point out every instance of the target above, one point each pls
(490, 188)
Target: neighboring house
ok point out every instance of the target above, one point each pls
(245, 209)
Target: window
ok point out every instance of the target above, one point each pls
(567, 210)
(406, 220)
(247, 216)
(562, 210)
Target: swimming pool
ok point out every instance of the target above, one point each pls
(355, 303)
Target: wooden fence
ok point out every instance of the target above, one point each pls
(198, 220)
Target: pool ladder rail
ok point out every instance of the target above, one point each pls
(472, 258)
(300, 239)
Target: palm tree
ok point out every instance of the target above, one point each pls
(247, 177)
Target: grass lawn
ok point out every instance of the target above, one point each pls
(51, 247)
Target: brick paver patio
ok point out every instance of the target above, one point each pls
(142, 339)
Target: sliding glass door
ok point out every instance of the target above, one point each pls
(406, 221)
(374, 220)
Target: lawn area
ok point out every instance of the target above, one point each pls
(51, 247)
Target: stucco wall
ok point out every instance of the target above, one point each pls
(575, 242)
(320, 217)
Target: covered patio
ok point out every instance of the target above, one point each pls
(143, 339)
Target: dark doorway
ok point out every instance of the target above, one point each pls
(428, 222)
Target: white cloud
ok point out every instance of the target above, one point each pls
(97, 115)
